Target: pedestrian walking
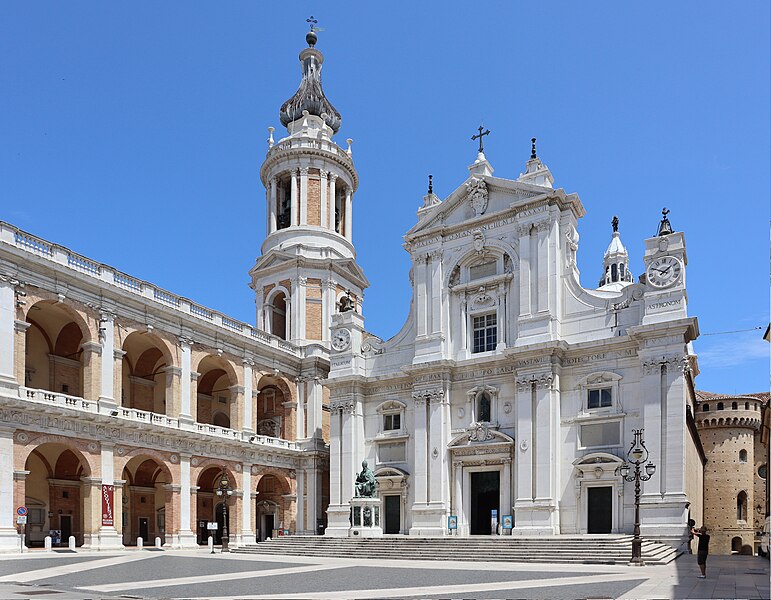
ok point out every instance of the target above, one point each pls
(703, 550)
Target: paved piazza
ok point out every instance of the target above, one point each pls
(197, 574)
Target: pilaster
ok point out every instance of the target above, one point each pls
(7, 331)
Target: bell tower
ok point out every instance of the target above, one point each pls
(308, 261)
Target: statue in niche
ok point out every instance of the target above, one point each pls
(346, 302)
(507, 268)
(366, 484)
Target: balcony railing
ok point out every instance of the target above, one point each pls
(17, 238)
(149, 418)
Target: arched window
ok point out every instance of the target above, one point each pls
(613, 272)
(277, 315)
(720, 406)
(742, 456)
(746, 406)
(736, 544)
(484, 404)
(704, 407)
(734, 406)
(741, 506)
(621, 271)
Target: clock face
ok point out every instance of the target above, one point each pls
(664, 271)
(341, 339)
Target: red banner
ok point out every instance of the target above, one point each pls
(107, 505)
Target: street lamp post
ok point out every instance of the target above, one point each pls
(224, 491)
(637, 456)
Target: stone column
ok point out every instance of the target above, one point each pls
(20, 350)
(458, 495)
(117, 376)
(464, 342)
(107, 400)
(315, 409)
(247, 531)
(108, 534)
(273, 206)
(300, 516)
(506, 488)
(437, 447)
(91, 363)
(91, 499)
(7, 333)
(9, 540)
(501, 316)
(349, 215)
(421, 455)
(236, 407)
(186, 537)
(300, 415)
(173, 391)
(421, 306)
(525, 271)
(324, 198)
(248, 416)
(304, 196)
(186, 383)
(171, 502)
(332, 195)
(20, 492)
(543, 266)
(294, 199)
(436, 292)
(313, 498)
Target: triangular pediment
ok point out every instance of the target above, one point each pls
(467, 203)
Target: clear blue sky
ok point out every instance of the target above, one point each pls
(133, 133)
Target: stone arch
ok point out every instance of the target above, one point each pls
(80, 448)
(145, 362)
(217, 389)
(207, 477)
(147, 501)
(168, 460)
(492, 247)
(277, 312)
(272, 417)
(281, 476)
(57, 484)
(87, 322)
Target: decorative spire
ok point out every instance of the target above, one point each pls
(310, 95)
(665, 228)
(616, 274)
(430, 184)
(533, 155)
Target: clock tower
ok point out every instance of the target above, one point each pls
(665, 261)
(308, 262)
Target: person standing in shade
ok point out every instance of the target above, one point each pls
(703, 550)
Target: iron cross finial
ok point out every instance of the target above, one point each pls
(532, 151)
(664, 212)
(430, 184)
(482, 132)
(313, 22)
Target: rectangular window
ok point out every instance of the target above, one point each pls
(600, 434)
(392, 422)
(485, 330)
(484, 270)
(600, 398)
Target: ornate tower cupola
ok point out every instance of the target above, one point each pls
(308, 259)
(616, 262)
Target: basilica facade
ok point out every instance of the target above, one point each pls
(506, 404)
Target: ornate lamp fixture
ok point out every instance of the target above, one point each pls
(637, 456)
(224, 491)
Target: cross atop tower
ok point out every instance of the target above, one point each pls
(482, 132)
(313, 22)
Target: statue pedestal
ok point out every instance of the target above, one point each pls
(365, 518)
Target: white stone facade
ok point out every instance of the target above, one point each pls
(513, 388)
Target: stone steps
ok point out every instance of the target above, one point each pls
(552, 549)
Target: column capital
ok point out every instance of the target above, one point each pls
(20, 475)
(332, 176)
(304, 171)
(324, 174)
(185, 340)
(94, 347)
(21, 326)
(248, 362)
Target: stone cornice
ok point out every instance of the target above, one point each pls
(102, 428)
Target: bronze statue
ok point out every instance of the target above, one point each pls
(346, 302)
(366, 484)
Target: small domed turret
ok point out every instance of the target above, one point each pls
(616, 262)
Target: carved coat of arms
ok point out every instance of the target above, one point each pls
(477, 195)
